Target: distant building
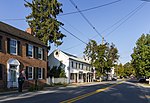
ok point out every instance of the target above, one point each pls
(76, 69)
(21, 52)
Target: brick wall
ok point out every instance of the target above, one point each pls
(23, 59)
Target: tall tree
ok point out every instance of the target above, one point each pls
(43, 20)
(111, 56)
(141, 56)
(129, 70)
(90, 50)
(102, 56)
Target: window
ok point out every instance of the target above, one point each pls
(39, 73)
(30, 73)
(13, 46)
(1, 72)
(30, 50)
(40, 53)
(76, 65)
(82, 66)
(0, 43)
(72, 64)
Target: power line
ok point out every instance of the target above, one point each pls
(72, 26)
(128, 17)
(73, 35)
(85, 18)
(74, 12)
(91, 8)
(74, 46)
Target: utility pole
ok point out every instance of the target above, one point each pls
(102, 40)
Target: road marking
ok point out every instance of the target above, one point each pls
(89, 94)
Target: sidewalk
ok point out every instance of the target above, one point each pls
(54, 87)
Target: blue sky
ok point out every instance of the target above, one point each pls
(124, 37)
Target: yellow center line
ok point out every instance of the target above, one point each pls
(89, 94)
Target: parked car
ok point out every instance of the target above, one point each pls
(142, 80)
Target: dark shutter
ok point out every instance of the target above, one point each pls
(26, 72)
(0, 43)
(1, 72)
(43, 73)
(35, 73)
(19, 48)
(44, 55)
(27, 50)
(8, 45)
(35, 51)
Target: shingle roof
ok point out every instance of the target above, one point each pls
(19, 33)
(75, 58)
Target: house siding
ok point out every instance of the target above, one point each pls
(21, 57)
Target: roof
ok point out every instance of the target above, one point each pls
(75, 58)
(19, 33)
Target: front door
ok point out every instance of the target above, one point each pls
(13, 66)
(13, 76)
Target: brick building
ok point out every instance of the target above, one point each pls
(21, 52)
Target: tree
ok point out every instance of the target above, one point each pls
(111, 57)
(141, 56)
(43, 20)
(102, 56)
(58, 71)
(90, 50)
(129, 70)
(120, 70)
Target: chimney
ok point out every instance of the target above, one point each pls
(28, 30)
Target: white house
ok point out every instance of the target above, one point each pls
(77, 70)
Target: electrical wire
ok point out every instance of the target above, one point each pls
(90, 8)
(128, 17)
(73, 35)
(72, 2)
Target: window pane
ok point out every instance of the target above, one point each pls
(40, 53)
(30, 50)
(30, 72)
(39, 73)
(13, 46)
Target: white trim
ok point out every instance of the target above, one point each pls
(41, 53)
(32, 73)
(32, 50)
(13, 46)
(17, 64)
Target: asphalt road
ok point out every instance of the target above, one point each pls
(109, 92)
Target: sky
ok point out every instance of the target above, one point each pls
(131, 19)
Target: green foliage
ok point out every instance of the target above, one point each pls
(58, 72)
(141, 56)
(129, 70)
(103, 56)
(125, 70)
(42, 20)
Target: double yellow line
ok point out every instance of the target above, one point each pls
(88, 94)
